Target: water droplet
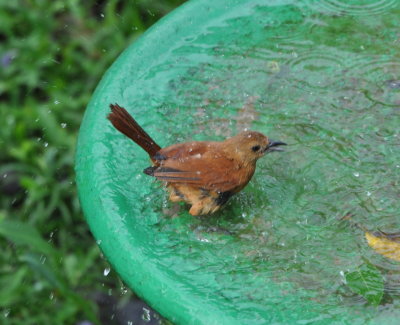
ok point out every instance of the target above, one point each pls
(51, 296)
(356, 174)
(46, 144)
(5, 175)
(393, 84)
(204, 240)
(124, 290)
(102, 15)
(98, 241)
(106, 271)
(342, 275)
(63, 125)
(146, 315)
(56, 102)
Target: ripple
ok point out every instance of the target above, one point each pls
(377, 78)
(276, 23)
(356, 7)
(316, 69)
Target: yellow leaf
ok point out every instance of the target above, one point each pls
(384, 246)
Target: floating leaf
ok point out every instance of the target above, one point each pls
(385, 244)
(368, 282)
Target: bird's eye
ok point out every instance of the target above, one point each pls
(255, 148)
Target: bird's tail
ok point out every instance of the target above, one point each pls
(126, 124)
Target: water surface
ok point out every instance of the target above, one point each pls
(323, 76)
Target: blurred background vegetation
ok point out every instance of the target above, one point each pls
(52, 55)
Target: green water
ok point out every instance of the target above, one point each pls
(323, 76)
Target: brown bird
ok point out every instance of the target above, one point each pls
(204, 174)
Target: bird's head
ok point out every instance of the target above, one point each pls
(252, 145)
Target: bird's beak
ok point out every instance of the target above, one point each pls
(274, 146)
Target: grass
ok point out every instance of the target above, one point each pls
(52, 55)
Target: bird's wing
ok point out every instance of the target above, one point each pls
(200, 164)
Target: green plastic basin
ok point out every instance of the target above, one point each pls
(322, 76)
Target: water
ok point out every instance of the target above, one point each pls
(322, 76)
(106, 271)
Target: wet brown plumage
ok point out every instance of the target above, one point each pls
(205, 174)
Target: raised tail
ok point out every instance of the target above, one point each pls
(125, 123)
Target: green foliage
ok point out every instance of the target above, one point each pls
(368, 282)
(52, 55)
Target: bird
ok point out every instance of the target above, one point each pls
(204, 174)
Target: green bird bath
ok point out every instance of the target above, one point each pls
(323, 76)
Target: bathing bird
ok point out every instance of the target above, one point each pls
(204, 174)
